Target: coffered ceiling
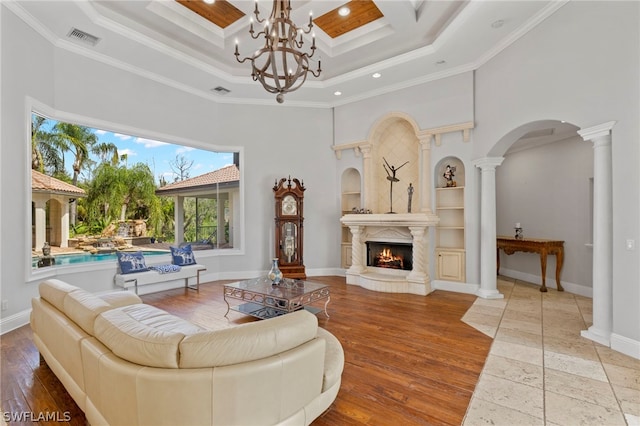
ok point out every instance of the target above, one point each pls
(189, 44)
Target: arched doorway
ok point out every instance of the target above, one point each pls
(600, 136)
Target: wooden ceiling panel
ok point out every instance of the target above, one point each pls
(222, 13)
(362, 13)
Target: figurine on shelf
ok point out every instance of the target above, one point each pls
(410, 195)
(449, 174)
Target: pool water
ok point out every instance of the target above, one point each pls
(71, 259)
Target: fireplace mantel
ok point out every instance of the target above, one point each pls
(414, 227)
(391, 219)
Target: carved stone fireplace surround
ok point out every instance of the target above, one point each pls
(401, 228)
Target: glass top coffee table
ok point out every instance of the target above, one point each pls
(263, 299)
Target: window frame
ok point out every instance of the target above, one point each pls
(34, 106)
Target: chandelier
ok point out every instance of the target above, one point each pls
(280, 66)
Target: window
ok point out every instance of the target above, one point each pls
(96, 191)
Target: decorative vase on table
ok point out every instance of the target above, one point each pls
(275, 275)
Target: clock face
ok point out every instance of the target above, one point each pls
(289, 205)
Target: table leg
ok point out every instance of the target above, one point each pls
(559, 261)
(325, 306)
(228, 307)
(498, 261)
(543, 266)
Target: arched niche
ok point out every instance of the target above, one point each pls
(394, 144)
(456, 168)
(350, 190)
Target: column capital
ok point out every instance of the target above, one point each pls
(366, 150)
(425, 140)
(488, 163)
(598, 131)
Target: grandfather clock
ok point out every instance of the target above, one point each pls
(289, 195)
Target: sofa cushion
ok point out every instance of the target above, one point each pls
(143, 334)
(54, 291)
(247, 342)
(121, 298)
(83, 308)
(79, 305)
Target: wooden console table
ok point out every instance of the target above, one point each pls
(511, 245)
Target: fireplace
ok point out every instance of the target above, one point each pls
(389, 255)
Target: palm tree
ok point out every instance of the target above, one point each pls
(46, 155)
(78, 140)
(81, 140)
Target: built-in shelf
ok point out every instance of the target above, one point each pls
(450, 232)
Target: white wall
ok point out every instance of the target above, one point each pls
(580, 65)
(547, 190)
(277, 141)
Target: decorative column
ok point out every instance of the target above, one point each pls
(419, 271)
(357, 250)
(64, 223)
(425, 173)
(367, 173)
(488, 282)
(602, 326)
(40, 222)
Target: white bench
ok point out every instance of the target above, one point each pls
(136, 279)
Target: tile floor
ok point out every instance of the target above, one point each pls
(540, 371)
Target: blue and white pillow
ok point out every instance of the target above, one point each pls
(183, 255)
(130, 263)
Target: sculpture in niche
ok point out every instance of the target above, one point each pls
(449, 174)
(391, 177)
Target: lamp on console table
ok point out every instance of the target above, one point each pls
(519, 235)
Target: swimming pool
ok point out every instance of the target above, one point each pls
(73, 258)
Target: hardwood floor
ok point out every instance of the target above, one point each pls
(408, 359)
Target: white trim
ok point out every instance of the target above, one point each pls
(551, 282)
(14, 321)
(539, 17)
(625, 345)
(594, 132)
(456, 287)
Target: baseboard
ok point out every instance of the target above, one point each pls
(323, 272)
(14, 321)
(625, 345)
(551, 282)
(455, 286)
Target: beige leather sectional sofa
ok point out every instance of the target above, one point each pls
(127, 363)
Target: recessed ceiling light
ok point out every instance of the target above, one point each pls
(337, 93)
(497, 24)
(376, 75)
(344, 11)
(209, 1)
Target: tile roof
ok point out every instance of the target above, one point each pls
(43, 183)
(226, 174)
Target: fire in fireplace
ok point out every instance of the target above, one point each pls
(389, 255)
